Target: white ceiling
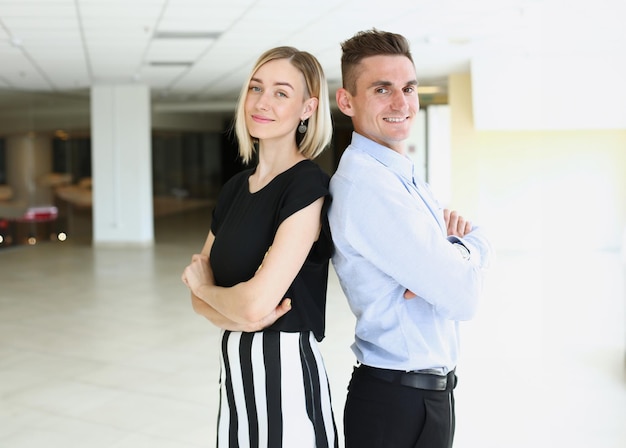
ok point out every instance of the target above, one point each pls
(65, 46)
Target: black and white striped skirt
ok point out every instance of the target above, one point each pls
(274, 392)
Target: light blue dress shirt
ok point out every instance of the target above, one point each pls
(390, 236)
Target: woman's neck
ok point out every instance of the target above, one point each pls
(273, 160)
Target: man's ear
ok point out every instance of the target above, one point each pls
(344, 101)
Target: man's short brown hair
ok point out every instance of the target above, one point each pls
(369, 43)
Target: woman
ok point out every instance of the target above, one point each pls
(262, 274)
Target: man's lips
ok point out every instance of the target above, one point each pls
(395, 119)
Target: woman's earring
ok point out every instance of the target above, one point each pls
(302, 127)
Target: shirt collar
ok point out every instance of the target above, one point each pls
(398, 163)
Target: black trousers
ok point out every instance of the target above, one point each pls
(380, 414)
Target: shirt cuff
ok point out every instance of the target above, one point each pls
(461, 247)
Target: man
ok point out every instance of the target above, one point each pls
(410, 270)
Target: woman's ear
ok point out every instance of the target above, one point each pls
(310, 105)
(344, 101)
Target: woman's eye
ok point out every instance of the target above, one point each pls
(255, 88)
(281, 94)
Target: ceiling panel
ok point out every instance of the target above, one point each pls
(23, 12)
(121, 5)
(205, 16)
(21, 75)
(125, 65)
(40, 23)
(96, 28)
(160, 77)
(57, 45)
(173, 50)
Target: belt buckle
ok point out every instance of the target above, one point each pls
(441, 382)
(426, 381)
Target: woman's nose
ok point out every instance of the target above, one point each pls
(262, 102)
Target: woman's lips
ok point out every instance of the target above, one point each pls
(260, 119)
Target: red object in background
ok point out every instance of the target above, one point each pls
(36, 224)
(38, 214)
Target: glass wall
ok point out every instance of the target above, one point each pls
(3, 163)
(186, 165)
(72, 156)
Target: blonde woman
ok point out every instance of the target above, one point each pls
(262, 274)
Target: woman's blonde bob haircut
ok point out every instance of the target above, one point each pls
(319, 127)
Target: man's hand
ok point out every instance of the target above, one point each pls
(456, 224)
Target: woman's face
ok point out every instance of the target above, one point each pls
(276, 101)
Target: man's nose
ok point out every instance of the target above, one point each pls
(398, 100)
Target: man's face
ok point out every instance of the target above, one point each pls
(385, 102)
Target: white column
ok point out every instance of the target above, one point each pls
(121, 165)
(29, 158)
(439, 152)
(416, 147)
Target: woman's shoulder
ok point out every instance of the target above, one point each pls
(239, 176)
(310, 171)
(237, 179)
(232, 187)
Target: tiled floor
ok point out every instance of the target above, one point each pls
(100, 348)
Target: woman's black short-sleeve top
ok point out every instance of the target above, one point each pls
(244, 225)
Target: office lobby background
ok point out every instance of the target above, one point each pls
(526, 137)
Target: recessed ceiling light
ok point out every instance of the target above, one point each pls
(459, 40)
(186, 35)
(170, 63)
(425, 90)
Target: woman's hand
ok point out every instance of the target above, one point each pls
(198, 273)
(219, 320)
(283, 307)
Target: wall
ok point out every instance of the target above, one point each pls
(46, 113)
(546, 92)
(548, 190)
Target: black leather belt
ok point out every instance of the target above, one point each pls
(416, 380)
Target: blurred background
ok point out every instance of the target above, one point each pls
(115, 141)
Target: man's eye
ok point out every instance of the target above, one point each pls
(382, 90)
